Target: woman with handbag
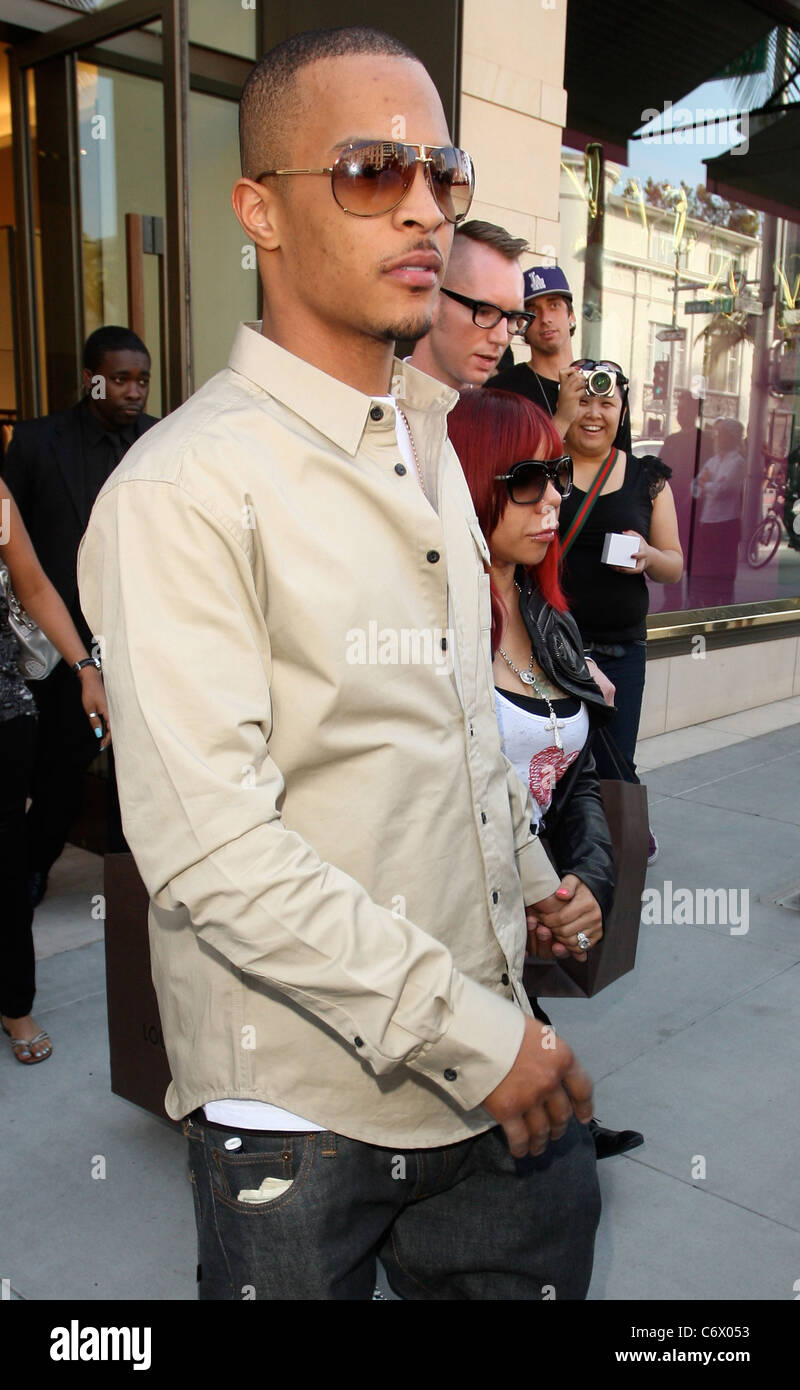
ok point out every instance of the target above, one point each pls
(615, 492)
(25, 586)
(548, 703)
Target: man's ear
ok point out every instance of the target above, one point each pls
(259, 210)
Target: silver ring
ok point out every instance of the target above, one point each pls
(583, 941)
(93, 714)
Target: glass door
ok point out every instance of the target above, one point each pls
(101, 119)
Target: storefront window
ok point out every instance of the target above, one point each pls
(699, 299)
(229, 26)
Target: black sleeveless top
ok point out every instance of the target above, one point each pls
(610, 607)
(15, 697)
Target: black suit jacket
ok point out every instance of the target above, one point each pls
(44, 469)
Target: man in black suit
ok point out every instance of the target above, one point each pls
(55, 468)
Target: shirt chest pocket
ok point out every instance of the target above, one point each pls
(485, 560)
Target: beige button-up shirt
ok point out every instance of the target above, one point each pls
(336, 850)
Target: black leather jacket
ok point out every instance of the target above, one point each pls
(575, 826)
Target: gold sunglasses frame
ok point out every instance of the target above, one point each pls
(422, 158)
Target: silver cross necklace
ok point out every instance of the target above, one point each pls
(528, 678)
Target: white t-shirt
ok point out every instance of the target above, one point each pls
(723, 475)
(527, 741)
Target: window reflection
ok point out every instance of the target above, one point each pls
(700, 297)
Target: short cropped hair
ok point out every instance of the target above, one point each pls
(489, 234)
(270, 105)
(111, 338)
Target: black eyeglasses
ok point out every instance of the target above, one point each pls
(489, 315)
(527, 480)
(372, 177)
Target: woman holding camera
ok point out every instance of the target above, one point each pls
(615, 493)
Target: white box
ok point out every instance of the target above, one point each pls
(619, 550)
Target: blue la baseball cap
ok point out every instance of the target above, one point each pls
(546, 279)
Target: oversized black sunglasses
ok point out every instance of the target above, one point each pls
(489, 315)
(371, 177)
(527, 480)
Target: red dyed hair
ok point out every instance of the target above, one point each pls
(490, 431)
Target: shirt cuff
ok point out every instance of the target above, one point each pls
(537, 875)
(479, 1047)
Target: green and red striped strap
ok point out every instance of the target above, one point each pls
(581, 516)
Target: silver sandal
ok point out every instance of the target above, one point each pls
(28, 1044)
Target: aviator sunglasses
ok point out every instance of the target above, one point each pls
(527, 480)
(371, 177)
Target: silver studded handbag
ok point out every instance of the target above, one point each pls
(37, 655)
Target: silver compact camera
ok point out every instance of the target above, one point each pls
(600, 378)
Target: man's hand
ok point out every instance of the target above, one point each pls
(546, 1085)
(606, 687)
(571, 388)
(576, 910)
(554, 923)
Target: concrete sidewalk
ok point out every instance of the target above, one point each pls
(698, 1048)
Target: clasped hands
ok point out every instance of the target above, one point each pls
(554, 923)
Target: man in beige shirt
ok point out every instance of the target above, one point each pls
(289, 581)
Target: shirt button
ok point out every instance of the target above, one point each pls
(504, 980)
(495, 896)
(432, 556)
(359, 1042)
(450, 1075)
(400, 468)
(376, 413)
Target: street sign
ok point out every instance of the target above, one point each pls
(723, 305)
(671, 335)
(748, 304)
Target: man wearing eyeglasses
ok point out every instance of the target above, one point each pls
(290, 579)
(553, 378)
(479, 309)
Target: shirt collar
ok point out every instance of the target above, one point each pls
(338, 411)
(97, 430)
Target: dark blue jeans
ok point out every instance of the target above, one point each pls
(627, 673)
(463, 1221)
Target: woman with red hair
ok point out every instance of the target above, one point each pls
(547, 701)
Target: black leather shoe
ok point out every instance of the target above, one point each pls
(37, 887)
(608, 1142)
